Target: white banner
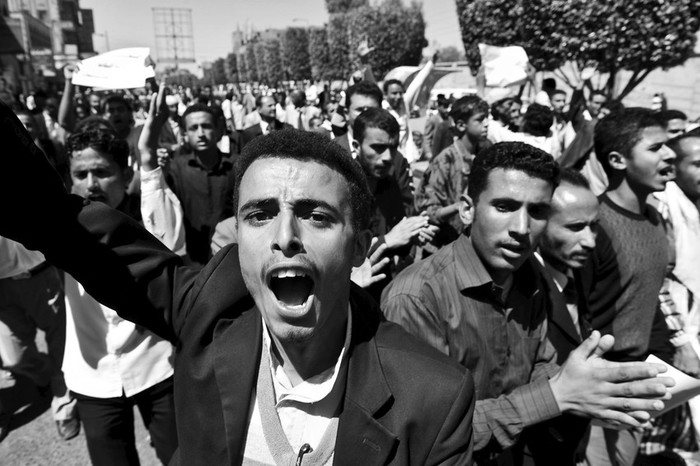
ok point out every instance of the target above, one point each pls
(117, 69)
(504, 66)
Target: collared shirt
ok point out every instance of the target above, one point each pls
(15, 259)
(206, 197)
(449, 300)
(105, 355)
(305, 410)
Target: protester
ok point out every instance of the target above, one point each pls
(393, 219)
(268, 122)
(567, 243)
(445, 180)
(202, 179)
(266, 319)
(478, 301)
(627, 270)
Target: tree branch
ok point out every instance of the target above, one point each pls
(634, 81)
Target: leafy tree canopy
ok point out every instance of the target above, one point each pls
(634, 35)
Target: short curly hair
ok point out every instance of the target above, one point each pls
(101, 139)
(468, 106)
(308, 146)
(511, 156)
(538, 120)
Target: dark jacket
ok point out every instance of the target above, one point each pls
(404, 402)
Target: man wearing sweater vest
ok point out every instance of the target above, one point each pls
(629, 263)
(280, 359)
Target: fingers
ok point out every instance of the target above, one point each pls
(378, 253)
(630, 371)
(617, 418)
(376, 278)
(639, 408)
(606, 343)
(588, 347)
(380, 265)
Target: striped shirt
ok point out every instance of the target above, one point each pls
(450, 301)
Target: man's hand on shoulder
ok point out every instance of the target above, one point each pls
(617, 393)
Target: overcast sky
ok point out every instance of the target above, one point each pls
(129, 23)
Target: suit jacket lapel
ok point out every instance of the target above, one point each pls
(236, 374)
(362, 439)
(560, 313)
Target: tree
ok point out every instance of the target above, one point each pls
(232, 67)
(242, 69)
(338, 46)
(318, 52)
(274, 71)
(295, 51)
(450, 54)
(259, 53)
(343, 6)
(250, 63)
(396, 31)
(565, 36)
(218, 71)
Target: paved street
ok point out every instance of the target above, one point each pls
(34, 440)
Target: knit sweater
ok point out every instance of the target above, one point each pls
(625, 275)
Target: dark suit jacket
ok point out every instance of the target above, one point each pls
(561, 440)
(404, 402)
(254, 131)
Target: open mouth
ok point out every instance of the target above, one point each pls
(97, 197)
(291, 287)
(668, 172)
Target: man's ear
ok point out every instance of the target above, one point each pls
(460, 125)
(356, 145)
(466, 210)
(363, 241)
(617, 161)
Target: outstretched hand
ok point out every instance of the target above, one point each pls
(368, 273)
(617, 393)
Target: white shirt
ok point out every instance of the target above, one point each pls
(106, 355)
(15, 259)
(304, 410)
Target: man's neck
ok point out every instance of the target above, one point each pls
(623, 195)
(209, 158)
(303, 360)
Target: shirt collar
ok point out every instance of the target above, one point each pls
(471, 272)
(559, 278)
(313, 389)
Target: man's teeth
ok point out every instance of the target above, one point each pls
(288, 273)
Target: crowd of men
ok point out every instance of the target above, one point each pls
(267, 278)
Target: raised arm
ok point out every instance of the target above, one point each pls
(160, 208)
(66, 110)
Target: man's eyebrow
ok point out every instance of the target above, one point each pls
(309, 203)
(258, 204)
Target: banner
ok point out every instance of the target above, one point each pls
(504, 66)
(116, 69)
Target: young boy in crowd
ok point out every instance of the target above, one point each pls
(627, 269)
